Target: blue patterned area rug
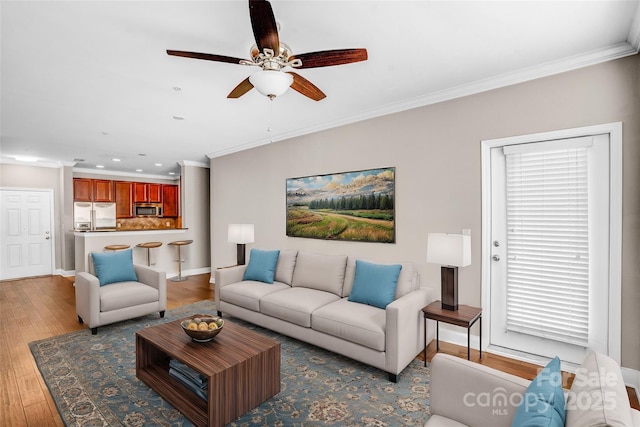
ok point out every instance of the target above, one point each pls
(92, 379)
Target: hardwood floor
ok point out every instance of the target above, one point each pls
(37, 308)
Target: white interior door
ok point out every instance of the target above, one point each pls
(25, 228)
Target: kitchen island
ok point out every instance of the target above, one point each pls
(163, 258)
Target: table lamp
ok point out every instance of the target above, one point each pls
(241, 234)
(450, 251)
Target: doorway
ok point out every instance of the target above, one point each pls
(26, 217)
(551, 243)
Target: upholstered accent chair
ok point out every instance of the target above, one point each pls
(117, 290)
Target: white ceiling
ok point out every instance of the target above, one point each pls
(91, 79)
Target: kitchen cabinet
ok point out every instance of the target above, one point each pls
(92, 190)
(147, 192)
(82, 191)
(124, 199)
(170, 200)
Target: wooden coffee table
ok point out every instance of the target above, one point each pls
(242, 368)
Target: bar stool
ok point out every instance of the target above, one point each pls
(179, 244)
(116, 247)
(148, 246)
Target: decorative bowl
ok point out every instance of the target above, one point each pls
(195, 327)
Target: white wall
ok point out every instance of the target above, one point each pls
(436, 153)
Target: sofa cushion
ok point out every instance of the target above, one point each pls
(126, 294)
(321, 272)
(407, 280)
(374, 284)
(543, 401)
(286, 264)
(247, 294)
(113, 267)
(359, 323)
(295, 305)
(262, 266)
(598, 396)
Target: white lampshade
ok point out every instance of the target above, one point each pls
(449, 249)
(240, 233)
(271, 83)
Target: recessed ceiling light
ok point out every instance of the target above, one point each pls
(100, 166)
(177, 88)
(141, 154)
(104, 132)
(116, 160)
(158, 164)
(172, 173)
(138, 170)
(178, 117)
(77, 159)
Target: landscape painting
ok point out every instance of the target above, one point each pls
(355, 206)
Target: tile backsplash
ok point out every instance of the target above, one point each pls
(144, 223)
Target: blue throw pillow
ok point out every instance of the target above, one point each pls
(112, 267)
(543, 402)
(262, 266)
(375, 284)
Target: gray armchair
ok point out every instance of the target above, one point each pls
(102, 305)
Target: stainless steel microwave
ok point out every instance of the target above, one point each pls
(148, 209)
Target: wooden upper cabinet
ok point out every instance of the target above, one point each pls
(147, 192)
(124, 199)
(82, 190)
(155, 193)
(92, 190)
(140, 192)
(170, 200)
(103, 190)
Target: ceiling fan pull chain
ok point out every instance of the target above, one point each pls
(270, 118)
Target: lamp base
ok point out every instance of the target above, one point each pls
(241, 254)
(449, 287)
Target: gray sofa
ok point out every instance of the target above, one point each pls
(465, 393)
(309, 301)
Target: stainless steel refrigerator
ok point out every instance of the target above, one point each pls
(89, 216)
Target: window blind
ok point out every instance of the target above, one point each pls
(548, 241)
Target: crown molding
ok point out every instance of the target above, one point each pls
(124, 174)
(587, 59)
(37, 164)
(192, 163)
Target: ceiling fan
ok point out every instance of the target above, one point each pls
(273, 57)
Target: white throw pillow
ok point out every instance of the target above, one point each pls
(598, 396)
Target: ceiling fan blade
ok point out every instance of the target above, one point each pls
(265, 29)
(327, 58)
(306, 88)
(242, 88)
(206, 56)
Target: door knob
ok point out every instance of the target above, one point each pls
(47, 237)
(496, 257)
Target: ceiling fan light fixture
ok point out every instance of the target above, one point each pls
(271, 83)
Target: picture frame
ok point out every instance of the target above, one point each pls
(347, 206)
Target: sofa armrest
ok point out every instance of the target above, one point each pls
(226, 276)
(473, 394)
(405, 328)
(155, 279)
(88, 298)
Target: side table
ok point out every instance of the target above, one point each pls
(465, 316)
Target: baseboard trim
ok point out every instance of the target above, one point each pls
(65, 273)
(191, 272)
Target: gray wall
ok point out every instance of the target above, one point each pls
(436, 152)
